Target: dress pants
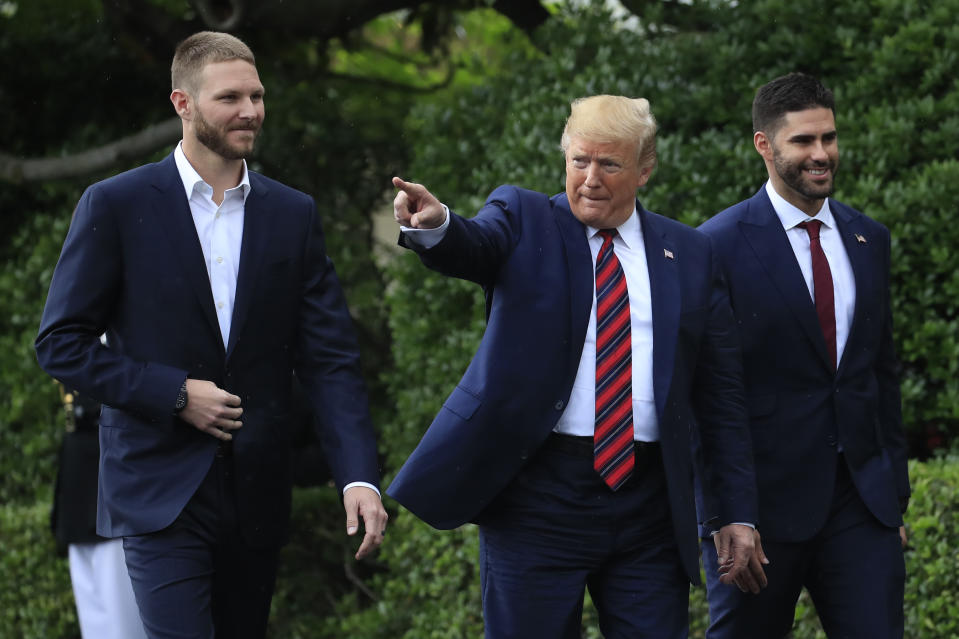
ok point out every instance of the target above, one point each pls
(854, 571)
(557, 530)
(197, 578)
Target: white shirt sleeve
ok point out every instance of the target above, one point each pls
(428, 238)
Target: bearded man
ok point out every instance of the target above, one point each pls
(808, 283)
(212, 285)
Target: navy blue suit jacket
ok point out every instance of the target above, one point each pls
(532, 257)
(132, 267)
(800, 410)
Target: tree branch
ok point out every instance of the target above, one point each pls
(153, 137)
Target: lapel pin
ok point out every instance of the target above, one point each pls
(860, 239)
(669, 254)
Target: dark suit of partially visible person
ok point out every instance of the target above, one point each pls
(106, 607)
(513, 448)
(829, 449)
(213, 286)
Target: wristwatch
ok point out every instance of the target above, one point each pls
(181, 399)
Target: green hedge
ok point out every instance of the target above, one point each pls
(36, 601)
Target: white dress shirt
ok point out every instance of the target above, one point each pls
(220, 229)
(579, 418)
(843, 280)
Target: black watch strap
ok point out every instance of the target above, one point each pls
(181, 399)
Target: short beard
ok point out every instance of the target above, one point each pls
(791, 175)
(214, 140)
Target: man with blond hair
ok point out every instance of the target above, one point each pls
(212, 285)
(609, 341)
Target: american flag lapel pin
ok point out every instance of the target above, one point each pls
(669, 254)
(860, 238)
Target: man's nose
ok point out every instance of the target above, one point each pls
(247, 109)
(819, 152)
(593, 174)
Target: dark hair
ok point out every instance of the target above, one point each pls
(791, 92)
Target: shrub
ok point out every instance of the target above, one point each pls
(36, 601)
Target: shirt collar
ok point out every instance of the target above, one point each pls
(790, 216)
(631, 231)
(192, 180)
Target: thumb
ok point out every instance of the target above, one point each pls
(761, 554)
(722, 547)
(352, 524)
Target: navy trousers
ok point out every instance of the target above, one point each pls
(558, 530)
(197, 578)
(853, 569)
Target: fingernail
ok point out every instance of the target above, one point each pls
(350, 530)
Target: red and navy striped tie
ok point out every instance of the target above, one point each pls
(613, 455)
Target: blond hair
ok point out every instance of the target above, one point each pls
(201, 49)
(614, 119)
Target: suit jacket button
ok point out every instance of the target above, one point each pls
(559, 405)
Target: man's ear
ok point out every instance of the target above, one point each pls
(181, 103)
(764, 145)
(644, 176)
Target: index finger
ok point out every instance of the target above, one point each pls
(412, 189)
(371, 540)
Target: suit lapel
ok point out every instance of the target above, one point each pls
(256, 222)
(666, 302)
(763, 231)
(172, 210)
(579, 266)
(850, 229)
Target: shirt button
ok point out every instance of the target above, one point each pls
(217, 216)
(219, 304)
(219, 260)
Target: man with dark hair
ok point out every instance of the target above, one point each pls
(213, 286)
(809, 285)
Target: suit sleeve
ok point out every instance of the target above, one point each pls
(328, 366)
(473, 249)
(727, 481)
(890, 410)
(84, 295)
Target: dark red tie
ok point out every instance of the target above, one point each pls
(822, 286)
(613, 455)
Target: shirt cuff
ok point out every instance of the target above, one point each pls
(428, 238)
(361, 483)
(737, 523)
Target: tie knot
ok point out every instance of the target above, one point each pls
(812, 228)
(607, 234)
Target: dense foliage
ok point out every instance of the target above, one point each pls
(889, 62)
